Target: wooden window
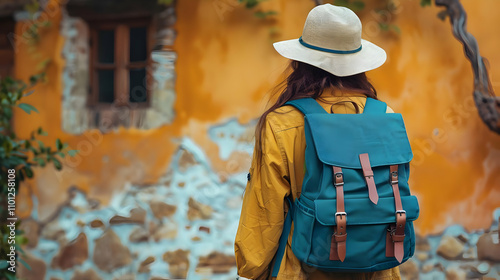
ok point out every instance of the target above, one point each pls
(120, 60)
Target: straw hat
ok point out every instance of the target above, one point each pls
(331, 40)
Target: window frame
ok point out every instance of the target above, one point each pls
(122, 64)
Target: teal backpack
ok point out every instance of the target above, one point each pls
(355, 212)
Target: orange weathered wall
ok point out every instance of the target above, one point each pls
(226, 66)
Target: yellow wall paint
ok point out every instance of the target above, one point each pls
(225, 68)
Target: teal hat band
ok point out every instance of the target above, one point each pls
(327, 50)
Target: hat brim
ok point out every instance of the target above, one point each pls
(368, 58)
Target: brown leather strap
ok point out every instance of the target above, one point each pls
(368, 173)
(398, 234)
(340, 235)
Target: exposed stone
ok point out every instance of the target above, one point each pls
(80, 223)
(178, 263)
(422, 256)
(137, 216)
(55, 278)
(88, 274)
(72, 253)
(186, 160)
(216, 262)
(422, 244)
(181, 184)
(96, 223)
(450, 247)
(161, 209)
(482, 268)
(166, 231)
(439, 266)
(31, 232)
(198, 210)
(470, 254)
(205, 229)
(109, 252)
(195, 238)
(128, 276)
(37, 268)
(52, 231)
(153, 227)
(409, 270)
(144, 265)
(427, 267)
(139, 234)
(487, 248)
(455, 273)
(463, 237)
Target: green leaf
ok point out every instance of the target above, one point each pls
(3, 264)
(72, 153)
(383, 26)
(10, 276)
(28, 93)
(344, 3)
(27, 107)
(261, 14)
(251, 3)
(24, 263)
(57, 164)
(165, 2)
(357, 6)
(28, 171)
(41, 145)
(424, 3)
(396, 29)
(59, 144)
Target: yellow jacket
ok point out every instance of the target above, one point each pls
(279, 174)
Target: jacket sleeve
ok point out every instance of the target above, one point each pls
(262, 214)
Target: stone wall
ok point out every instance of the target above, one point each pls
(456, 254)
(181, 227)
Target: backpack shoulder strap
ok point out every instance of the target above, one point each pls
(307, 106)
(374, 106)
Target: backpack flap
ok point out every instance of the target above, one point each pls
(382, 136)
(362, 212)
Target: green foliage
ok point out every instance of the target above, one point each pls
(355, 5)
(251, 4)
(424, 3)
(389, 27)
(22, 155)
(261, 14)
(165, 2)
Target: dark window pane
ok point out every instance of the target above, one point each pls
(106, 46)
(138, 92)
(106, 80)
(138, 42)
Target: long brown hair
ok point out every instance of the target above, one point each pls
(309, 81)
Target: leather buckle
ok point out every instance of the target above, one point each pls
(338, 176)
(341, 214)
(394, 178)
(401, 212)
